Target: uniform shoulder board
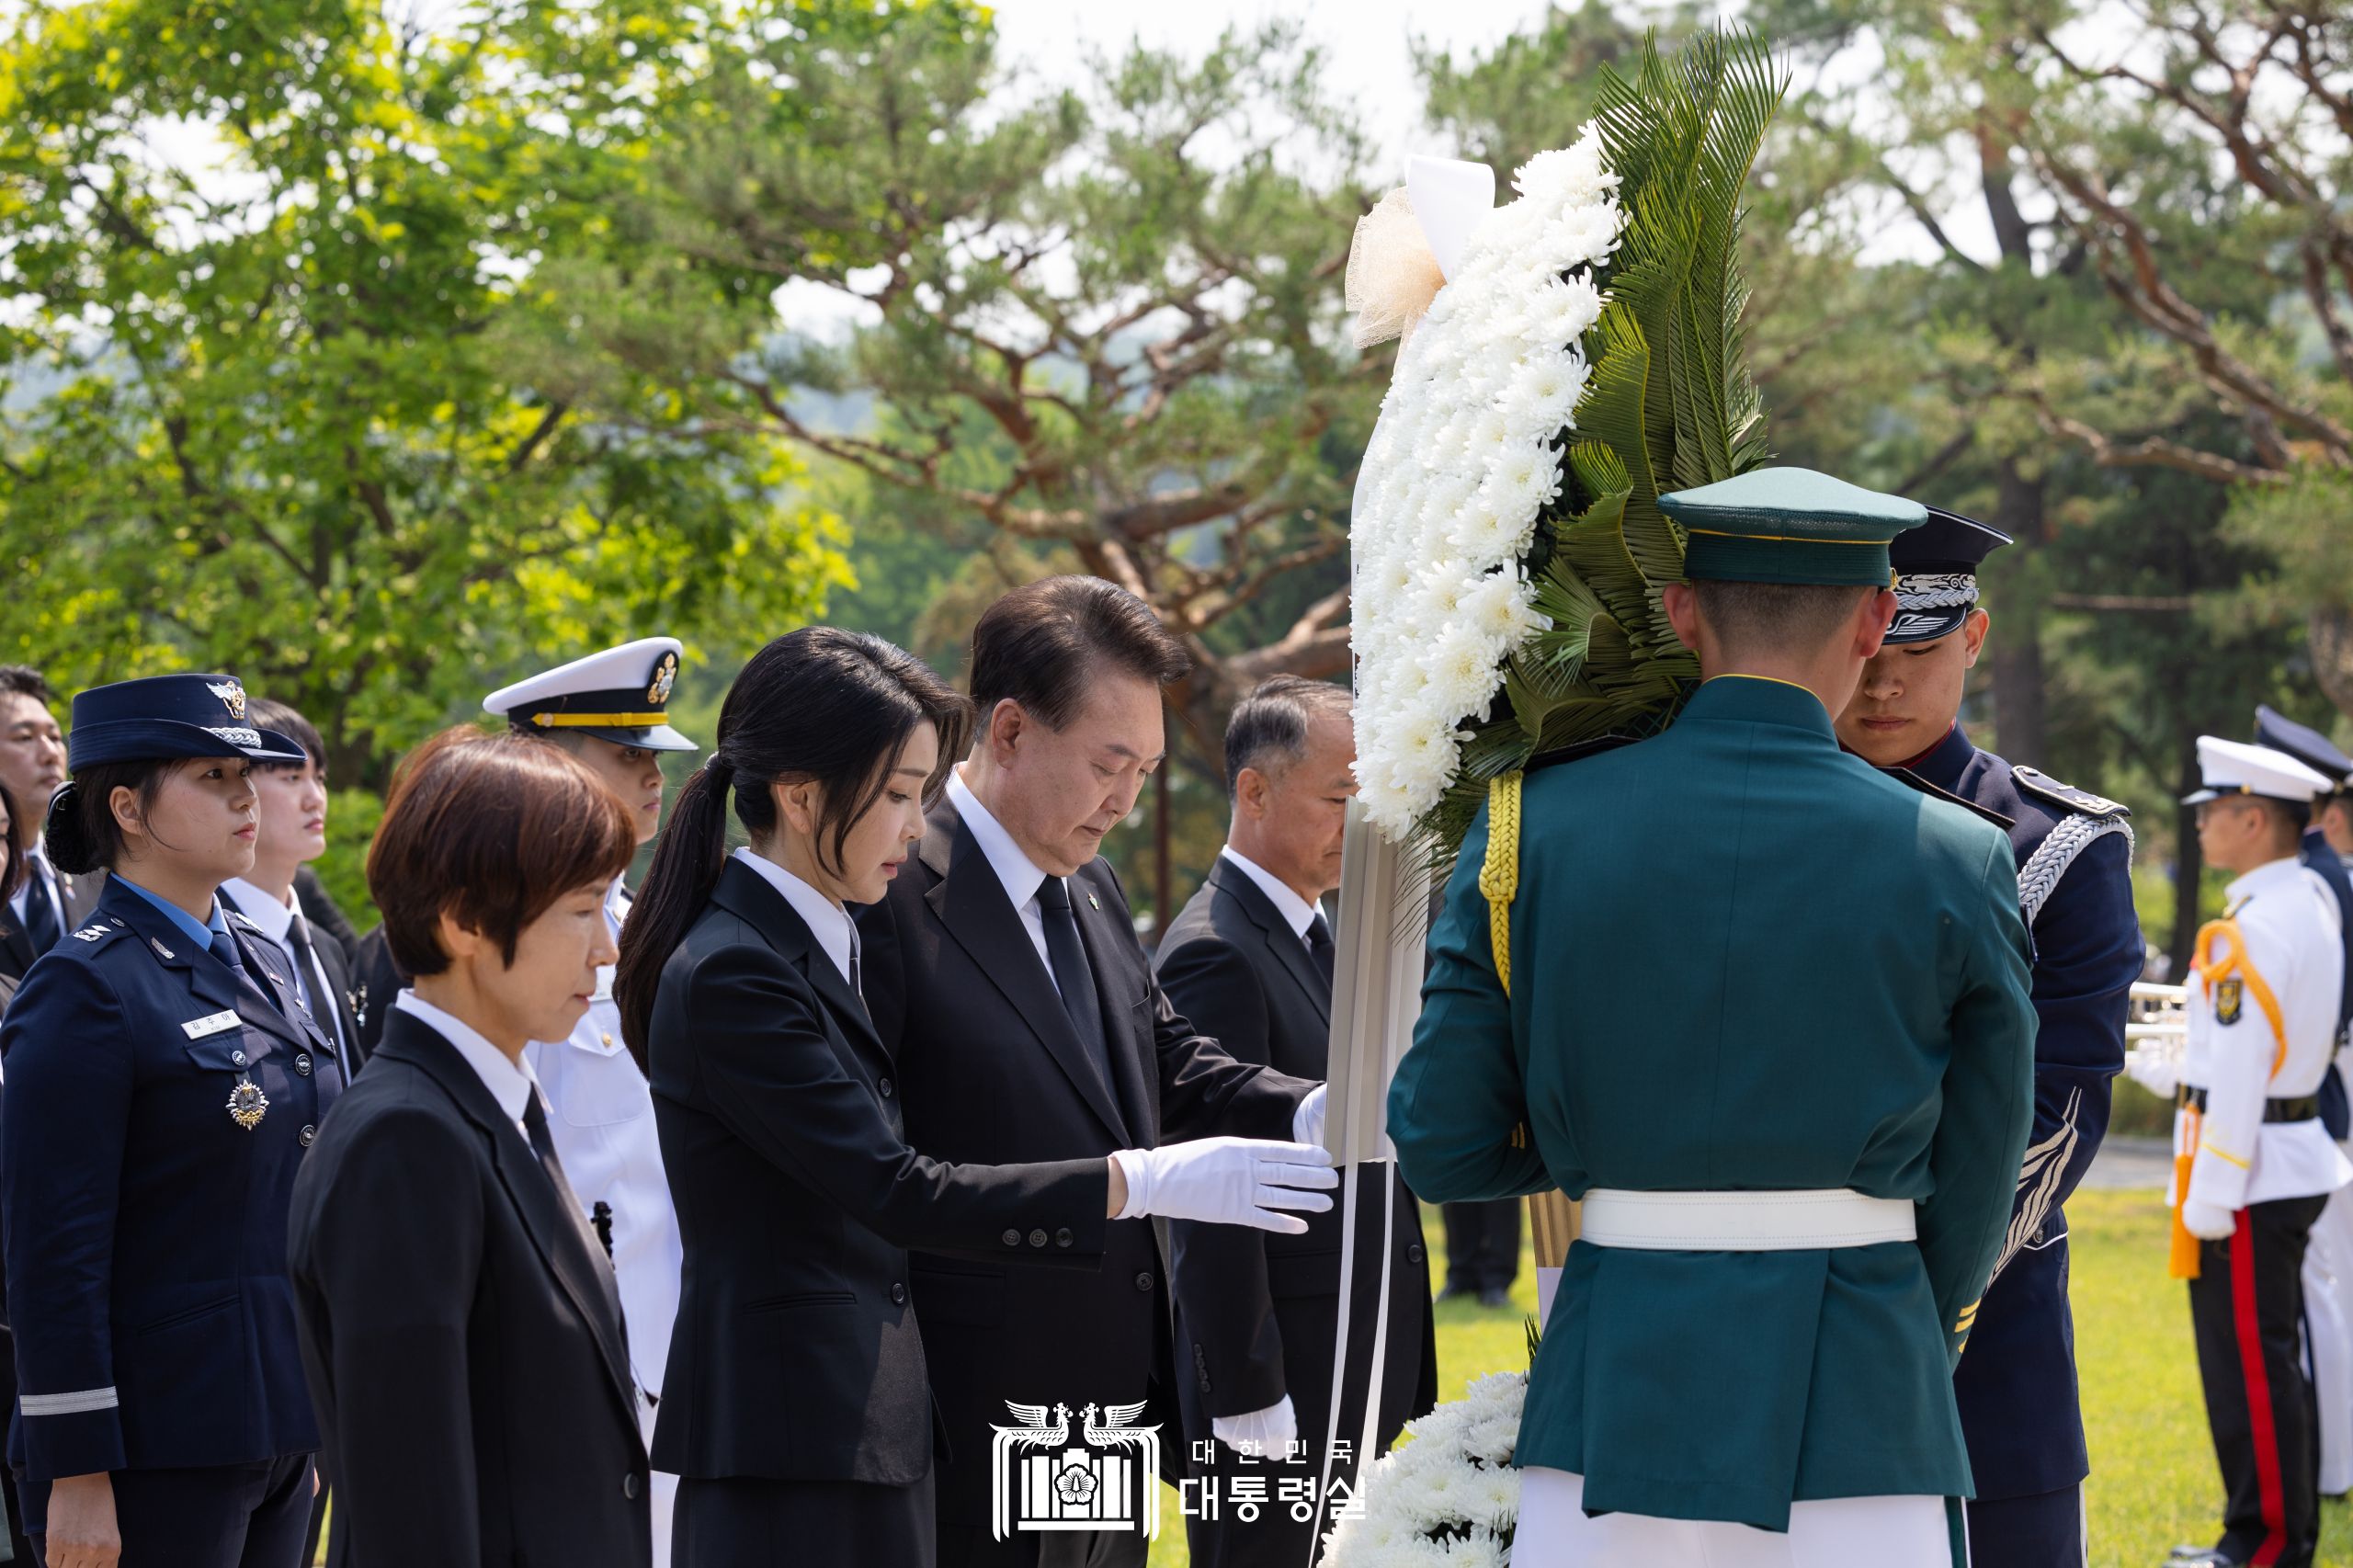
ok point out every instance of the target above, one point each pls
(2036, 782)
(239, 918)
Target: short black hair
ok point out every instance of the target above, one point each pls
(1269, 728)
(23, 680)
(263, 713)
(2289, 818)
(1752, 617)
(1042, 644)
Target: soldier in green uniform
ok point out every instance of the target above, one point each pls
(1765, 1011)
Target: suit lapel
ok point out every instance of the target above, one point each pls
(1290, 953)
(749, 896)
(560, 1239)
(1122, 983)
(972, 902)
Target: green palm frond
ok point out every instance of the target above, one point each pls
(1669, 404)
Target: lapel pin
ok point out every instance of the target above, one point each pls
(1093, 902)
(159, 946)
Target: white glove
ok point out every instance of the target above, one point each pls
(2207, 1221)
(1273, 1430)
(2156, 1068)
(1229, 1181)
(1307, 1121)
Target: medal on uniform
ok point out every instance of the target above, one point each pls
(248, 1104)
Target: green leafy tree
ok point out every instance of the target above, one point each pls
(1097, 330)
(279, 396)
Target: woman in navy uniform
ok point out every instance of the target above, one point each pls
(162, 1087)
(797, 1404)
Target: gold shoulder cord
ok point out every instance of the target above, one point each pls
(1499, 874)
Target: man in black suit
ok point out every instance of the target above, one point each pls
(32, 765)
(1006, 981)
(1249, 962)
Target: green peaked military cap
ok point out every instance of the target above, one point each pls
(1790, 525)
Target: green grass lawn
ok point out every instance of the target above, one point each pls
(2153, 1485)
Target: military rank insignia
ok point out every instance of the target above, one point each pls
(248, 1104)
(666, 676)
(2230, 999)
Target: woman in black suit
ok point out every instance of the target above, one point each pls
(796, 1405)
(459, 1324)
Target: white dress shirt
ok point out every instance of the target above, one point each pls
(1014, 869)
(1297, 913)
(508, 1080)
(40, 881)
(836, 932)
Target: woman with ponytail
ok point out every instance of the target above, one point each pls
(796, 1405)
(164, 1086)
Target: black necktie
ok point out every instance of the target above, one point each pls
(42, 929)
(307, 981)
(1319, 946)
(1072, 976)
(534, 1125)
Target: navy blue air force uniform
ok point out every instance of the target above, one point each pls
(2016, 1383)
(154, 1106)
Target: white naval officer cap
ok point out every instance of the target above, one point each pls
(2235, 767)
(621, 695)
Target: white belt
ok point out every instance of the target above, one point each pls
(1742, 1222)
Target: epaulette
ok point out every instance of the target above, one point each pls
(237, 917)
(1905, 776)
(2034, 781)
(99, 930)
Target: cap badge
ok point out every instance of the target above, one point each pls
(248, 1104)
(666, 676)
(232, 696)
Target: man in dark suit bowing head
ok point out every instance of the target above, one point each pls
(1004, 979)
(1250, 960)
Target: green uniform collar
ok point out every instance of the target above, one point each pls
(1758, 700)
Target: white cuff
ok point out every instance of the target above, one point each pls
(1138, 1170)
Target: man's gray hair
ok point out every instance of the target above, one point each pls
(1268, 728)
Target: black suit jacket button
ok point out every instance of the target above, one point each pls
(1144, 1280)
(885, 1087)
(305, 1136)
(1413, 1253)
(1037, 1238)
(1063, 1237)
(302, 1062)
(1013, 1238)
(898, 1294)
(628, 1486)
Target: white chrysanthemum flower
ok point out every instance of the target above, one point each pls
(1566, 310)
(1501, 607)
(1582, 234)
(1524, 479)
(1484, 534)
(1463, 670)
(1544, 392)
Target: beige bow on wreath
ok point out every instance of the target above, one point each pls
(1408, 245)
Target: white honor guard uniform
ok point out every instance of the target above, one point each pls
(2254, 1165)
(602, 1116)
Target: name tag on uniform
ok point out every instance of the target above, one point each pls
(197, 1028)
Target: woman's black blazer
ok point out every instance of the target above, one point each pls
(796, 1354)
